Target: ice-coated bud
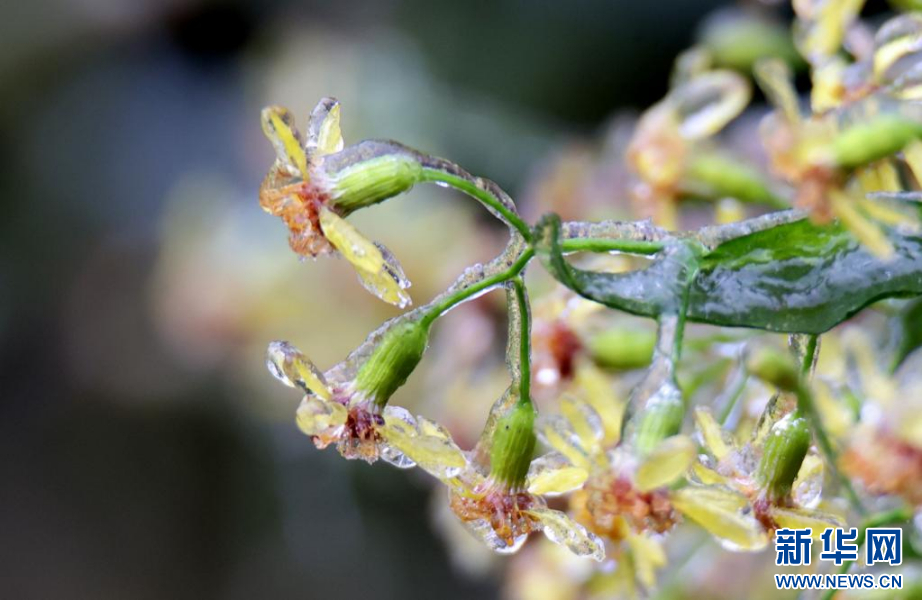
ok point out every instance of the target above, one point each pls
(782, 456)
(392, 361)
(774, 367)
(659, 419)
(367, 173)
(622, 348)
(513, 446)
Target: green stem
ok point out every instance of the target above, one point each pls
(450, 301)
(806, 406)
(892, 517)
(610, 245)
(567, 246)
(521, 299)
(733, 399)
(482, 195)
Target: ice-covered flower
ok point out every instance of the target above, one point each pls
(347, 405)
(500, 499)
(315, 183)
(625, 498)
(772, 482)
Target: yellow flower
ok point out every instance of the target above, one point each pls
(300, 192)
(335, 411)
(731, 502)
(624, 499)
(499, 516)
(884, 451)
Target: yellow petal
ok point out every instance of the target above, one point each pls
(435, 453)
(867, 232)
(669, 461)
(828, 88)
(798, 518)
(912, 153)
(720, 512)
(377, 269)
(324, 135)
(775, 79)
(707, 475)
(553, 474)
(809, 483)
(708, 102)
(715, 438)
(292, 368)
(556, 432)
(586, 423)
(598, 392)
(279, 126)
(648, 556)
(315, 416)
(896, 39)
(561, 529)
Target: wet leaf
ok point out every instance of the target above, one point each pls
(910, 332)
(790, 277)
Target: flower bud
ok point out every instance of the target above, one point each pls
(622, 349)
(659, 419)
(873, 139)
(513, 446)
(367, 173)
(782, 456)
(392, 361)
(775, 368)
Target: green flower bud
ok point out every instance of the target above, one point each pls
(392, 361)
(623, 349)
(871, 140)
(368, 173)
(714, 175)
(775, 368)
(782, 456)
(738, 39)
(513, 446)
(659, 419)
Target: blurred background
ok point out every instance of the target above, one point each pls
(145, 452)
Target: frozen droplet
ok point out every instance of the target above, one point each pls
(562, 530)
(483, 531)
(316, 416)
(294, 369)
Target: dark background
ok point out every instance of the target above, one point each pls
(144, 450)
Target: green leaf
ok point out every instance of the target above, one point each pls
(910, 327)
(794, 277)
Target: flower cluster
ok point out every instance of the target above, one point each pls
(721, 432)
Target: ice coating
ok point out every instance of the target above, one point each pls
(486, 185)
(713, 235)
(641, 231)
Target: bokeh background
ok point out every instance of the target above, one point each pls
(145, 452)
